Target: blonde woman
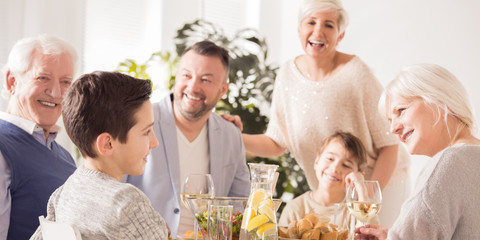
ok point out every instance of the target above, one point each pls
(429, 111)
(323, 91)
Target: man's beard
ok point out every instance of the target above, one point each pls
(195, 114)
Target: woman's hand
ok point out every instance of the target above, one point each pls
(371, 232)
(235, 119)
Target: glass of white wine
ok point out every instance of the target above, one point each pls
(197, 186)
(364, 200)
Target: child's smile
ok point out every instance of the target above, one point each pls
(333, 165)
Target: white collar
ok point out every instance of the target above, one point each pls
(25, 124)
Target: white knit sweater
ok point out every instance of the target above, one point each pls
(305, 112)
(103, 208)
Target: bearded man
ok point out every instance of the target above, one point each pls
(193, 139)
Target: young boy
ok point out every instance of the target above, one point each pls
(109, 118)
(337, 164)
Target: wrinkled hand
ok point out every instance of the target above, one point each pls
(235, 119)
(371, 232)
(354, 176)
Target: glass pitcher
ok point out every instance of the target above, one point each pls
(259, 218)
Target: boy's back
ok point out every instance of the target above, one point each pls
(107, 209)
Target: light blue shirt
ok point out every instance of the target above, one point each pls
(5, 175)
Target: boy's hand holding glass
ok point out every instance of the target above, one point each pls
(354, 176)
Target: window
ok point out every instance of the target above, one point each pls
(231, 15)
(120, 29)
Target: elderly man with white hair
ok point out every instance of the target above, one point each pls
(32, 164)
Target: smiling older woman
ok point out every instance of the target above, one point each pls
(323, 91)
(429, 111)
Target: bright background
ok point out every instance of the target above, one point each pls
(385, 34)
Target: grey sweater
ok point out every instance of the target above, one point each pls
(100, 207)
(446, 205)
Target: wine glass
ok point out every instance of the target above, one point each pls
(364, 200)
(197, 186)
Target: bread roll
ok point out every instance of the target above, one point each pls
(332, 227)
(312, 217)
(329, 236)
(303, 226)
(283, 232)
(313, 227)
(293, 233)
(322, 226)
(315, 234)
(342, 234)
(306, 235)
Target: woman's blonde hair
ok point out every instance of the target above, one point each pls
(436, 86)
(309, 6)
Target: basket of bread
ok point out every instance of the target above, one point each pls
(315, 227)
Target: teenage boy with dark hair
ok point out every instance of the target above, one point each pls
(109, 117)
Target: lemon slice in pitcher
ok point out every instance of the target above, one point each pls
(248, 214)
(257, 221)
(267, 209)
(266, 229)
(257, 197)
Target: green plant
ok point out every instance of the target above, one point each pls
(250, 90)
(136, 70)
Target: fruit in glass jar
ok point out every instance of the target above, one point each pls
(257, 221)
(267, 210)
(257, 197)
(266, 229)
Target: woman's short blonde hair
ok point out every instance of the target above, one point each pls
(436, 86)
(310, 6)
